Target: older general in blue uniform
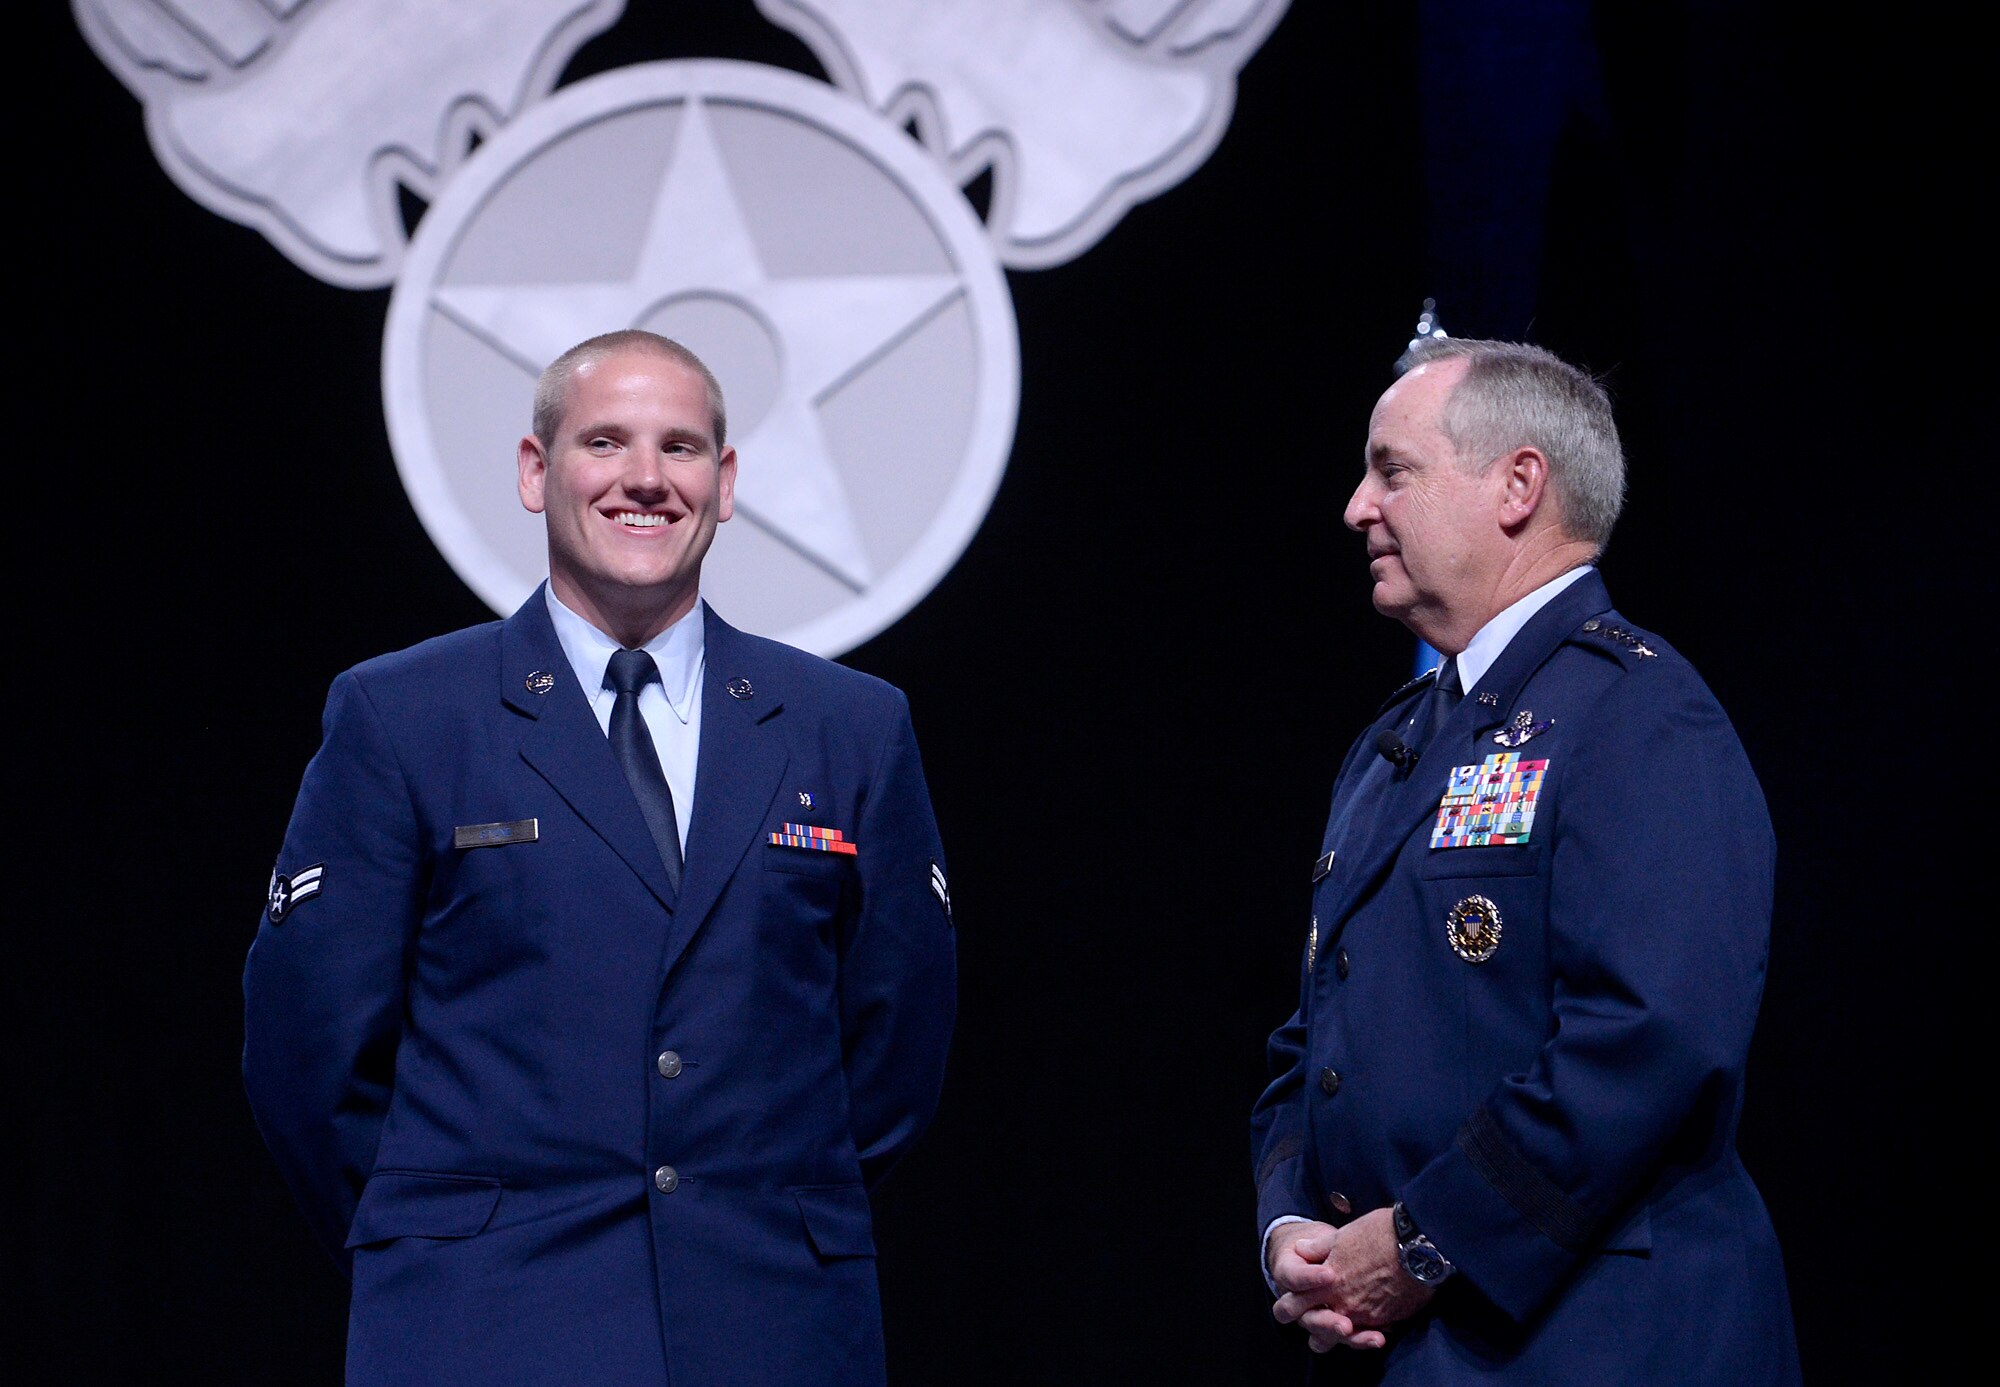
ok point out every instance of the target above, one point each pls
(608, 962)
(1499, 1138)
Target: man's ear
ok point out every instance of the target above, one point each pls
(725, 483)
(1524, 483)
(533, 465)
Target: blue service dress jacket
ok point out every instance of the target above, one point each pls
(1526, 1003)
(563, 1123)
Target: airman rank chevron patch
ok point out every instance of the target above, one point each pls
(814, 839)
(286, 893)
(940, 889)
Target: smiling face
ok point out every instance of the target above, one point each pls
(1436, 532)
(631, 488)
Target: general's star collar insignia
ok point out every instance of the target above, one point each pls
(1422, 681)
(1620, 635)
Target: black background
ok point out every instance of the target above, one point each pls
(1133, 690)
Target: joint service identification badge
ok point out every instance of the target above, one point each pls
(1492, 803)
(1473, 927)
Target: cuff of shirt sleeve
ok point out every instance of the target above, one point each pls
(1264, 1245)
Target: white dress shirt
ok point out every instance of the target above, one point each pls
(671, 705)
(1473, 662)
(1496, 635)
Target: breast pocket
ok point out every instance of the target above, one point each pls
(1506, 861)
(805, 887)
(1485, 905)
(1484, 923)
(824, 866)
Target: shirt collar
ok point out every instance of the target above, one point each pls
(677, 651)
(1494, 637)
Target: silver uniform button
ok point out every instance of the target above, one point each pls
(666, 1180)
(670, 1065)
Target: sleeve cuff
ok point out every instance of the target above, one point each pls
(1495, 1245)
(1264, 1245)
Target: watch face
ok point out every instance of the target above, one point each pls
(1425, 1262)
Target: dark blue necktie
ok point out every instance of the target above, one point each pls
(629, 672)
(1449, 691)
(1437, 705)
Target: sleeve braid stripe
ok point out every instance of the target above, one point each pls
(1284, 1150)
(1516, 1179)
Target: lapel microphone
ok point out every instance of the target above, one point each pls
(1395, 750)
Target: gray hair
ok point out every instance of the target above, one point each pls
(1517, 396)
(552, 390)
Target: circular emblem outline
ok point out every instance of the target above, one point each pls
(1473, 927)
(990, 429)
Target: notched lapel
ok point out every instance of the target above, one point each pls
(567, 748)
(1536, 645)
(741, 768)
(1415, 800)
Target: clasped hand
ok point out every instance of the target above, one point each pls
(1342, 1285)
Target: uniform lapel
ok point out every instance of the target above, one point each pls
(1530, 650)
(1377, 842)
(1411, 801)
(566, 747)
(740, 768)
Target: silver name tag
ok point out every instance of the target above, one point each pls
(495, 835)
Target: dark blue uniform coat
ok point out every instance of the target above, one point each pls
(1560, 1119)
(458, 1055)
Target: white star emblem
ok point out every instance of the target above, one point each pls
(825, 330)
(814, 255)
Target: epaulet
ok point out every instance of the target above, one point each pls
(1422, 681)
(1605, 632)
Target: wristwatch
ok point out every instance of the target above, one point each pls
(1421, 1259)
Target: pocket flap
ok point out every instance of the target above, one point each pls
(838, 1220)
(803, 862)
(412, 1204)
(1634, 1235)
(1511, 860)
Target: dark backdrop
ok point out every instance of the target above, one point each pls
(1161, 621)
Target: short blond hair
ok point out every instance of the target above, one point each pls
(552, 390)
